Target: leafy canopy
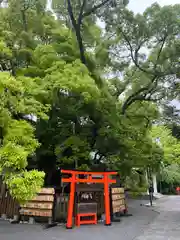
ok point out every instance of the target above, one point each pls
(94, 92)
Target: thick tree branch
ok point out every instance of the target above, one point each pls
(94, 8)
(134, 54)
(160, 51)
(78, 22)
(134, 58)
(150, 87)
(136, 96)
(77, 29)
(101, 156)
(71, 15)
(81, 13)
(132, 98)
(149, 99)
(97, 157)
(139, 98)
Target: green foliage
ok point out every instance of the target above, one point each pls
(149, 43)
(135, 180)
(25, 185)
(21, 95)
(5, 51)
(78, 153)
(168, 143)
(170, 163)
(87, 95)
(72, 79)
(19, 98)
(171, 174)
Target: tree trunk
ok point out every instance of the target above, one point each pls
(81, 46)
(154, 183)
(24, 21)
(147, 180)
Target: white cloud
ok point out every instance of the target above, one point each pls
(138, 6)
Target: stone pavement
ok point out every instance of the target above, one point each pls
(145, 224)
(167, 225)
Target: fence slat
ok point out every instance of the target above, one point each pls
(61, 207)
(8, 205)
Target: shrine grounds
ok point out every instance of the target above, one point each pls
(129, 228)
(161, 222)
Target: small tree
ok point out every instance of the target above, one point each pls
(18, 99)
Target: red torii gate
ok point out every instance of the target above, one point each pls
(74, 179)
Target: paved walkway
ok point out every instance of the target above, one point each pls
(145, 224)
(167, 225)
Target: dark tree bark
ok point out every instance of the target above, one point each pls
(24, 20)
(77, 23)
(77, 29)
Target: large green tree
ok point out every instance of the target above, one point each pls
(94, 105)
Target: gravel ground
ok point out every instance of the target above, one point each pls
(128, 229)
